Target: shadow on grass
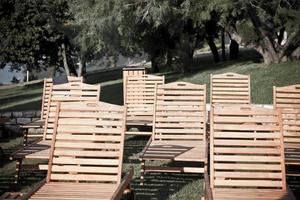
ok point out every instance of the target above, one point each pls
(159, 185)
(204, 62)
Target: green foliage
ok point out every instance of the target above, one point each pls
(31, 31)
(247, 31)
(261, 24)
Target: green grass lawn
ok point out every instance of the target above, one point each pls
(157, 185)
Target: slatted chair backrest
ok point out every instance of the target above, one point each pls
(75, 79)
(131, 71)
(246, 148)
(288, 100)
(88, 143)
(180, 112)
(230, 88)
(48, 82)
(140, 94)
(68, 92)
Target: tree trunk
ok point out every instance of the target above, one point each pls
(169, 59)
(267, 51)
(233, 50)
(82, 69)
(64, 58)
(223, 45)
(213, 48)
(154, 64)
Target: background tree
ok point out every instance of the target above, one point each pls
(32, 33)
(270, 27)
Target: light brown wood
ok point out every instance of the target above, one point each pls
(246, 163)
(68, 92)
(178, 128)
(139, 99)
(75, 79)
(288, 100)
(131, 71)
(48, 82)
(230, 88)
(94, 172)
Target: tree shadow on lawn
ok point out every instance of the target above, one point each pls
(162, 186)
(204, 62)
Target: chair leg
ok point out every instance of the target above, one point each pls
(142, 172)
(18, 170)
(128, 194)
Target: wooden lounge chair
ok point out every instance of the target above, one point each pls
(39, 124)
(230, 88)
(131, 71)
(246, 154)
(139, 101)
(86, 154)
(30, 130)
(68, 92)
(178, 129)
(287, 99)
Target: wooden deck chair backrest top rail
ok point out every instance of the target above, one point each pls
(75, 79)
(287, 99)
(230, 88)
(48, 82)
(140, 94)
(246, 148)
(87, 143)
(180, 112)
(68, 92)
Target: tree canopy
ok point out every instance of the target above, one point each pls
(36, 32)
(31, 32)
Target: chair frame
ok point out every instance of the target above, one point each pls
(139, 100)
(66, 109)
(57, 94)
(287, 99)
(184, 94)
(240, 89)
(268, 124)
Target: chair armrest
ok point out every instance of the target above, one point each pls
(207, 190)
(145, 148)
(123, 185)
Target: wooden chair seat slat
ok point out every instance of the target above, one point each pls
(237, 194)
(82, 191)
